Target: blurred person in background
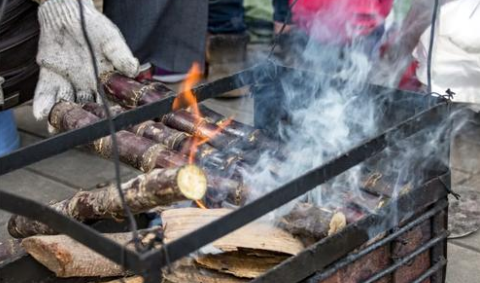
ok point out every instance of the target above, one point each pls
(170, 35)
(230, 24)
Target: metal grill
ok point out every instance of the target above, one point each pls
(409, 114)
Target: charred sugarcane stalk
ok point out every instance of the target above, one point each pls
(130, 93)
(252, 138)
(159, 187)
(139, 152)
(197, 126)
(248, 145)
(233, 127)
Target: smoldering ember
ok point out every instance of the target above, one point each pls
(208, 143)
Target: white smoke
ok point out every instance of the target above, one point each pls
(330, 113)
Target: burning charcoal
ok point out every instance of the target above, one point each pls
(159, 187)
(130, 93)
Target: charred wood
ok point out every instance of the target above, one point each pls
(312, 223)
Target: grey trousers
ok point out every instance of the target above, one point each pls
(170, 34)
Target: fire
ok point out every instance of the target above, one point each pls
(187, 98)
(200, 204)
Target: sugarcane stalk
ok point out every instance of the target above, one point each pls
(99, 111)
(139, 152)
(130, 93)
(234, 127)
(185, 121)
(159, 187)
(248, 146)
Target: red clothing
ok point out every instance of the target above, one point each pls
(340, 20)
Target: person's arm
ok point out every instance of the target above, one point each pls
(66, 69)
(417, 20)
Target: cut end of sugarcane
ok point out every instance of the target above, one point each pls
(192, 182)
(337, 223)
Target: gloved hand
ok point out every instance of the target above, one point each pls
(66, 71)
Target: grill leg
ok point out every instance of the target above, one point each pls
(439, 251)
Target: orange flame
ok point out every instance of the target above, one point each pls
(187, 98)
(200, 204)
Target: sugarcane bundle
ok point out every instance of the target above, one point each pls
(143, 153)
(173, 139)
(139, 152)
(156, 188)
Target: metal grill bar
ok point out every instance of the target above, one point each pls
(408, 258)
(432, 270)
(353, 257)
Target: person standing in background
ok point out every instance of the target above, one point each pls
(170, 35)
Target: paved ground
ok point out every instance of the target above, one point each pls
(60, 176)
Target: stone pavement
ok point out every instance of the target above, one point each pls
(60, 176)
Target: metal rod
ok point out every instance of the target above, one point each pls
(441, 263)
(353, 257)
(408, 258)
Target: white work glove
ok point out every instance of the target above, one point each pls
(456, 55)
(66, 71)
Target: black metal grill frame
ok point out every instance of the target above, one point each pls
(311, 260)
